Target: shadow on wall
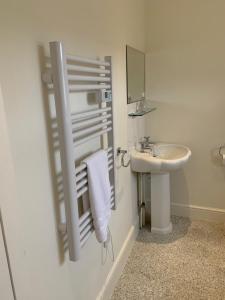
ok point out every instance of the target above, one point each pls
(179, 188)
(180, 229)
(53, 146)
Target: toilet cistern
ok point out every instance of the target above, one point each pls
(159, 162)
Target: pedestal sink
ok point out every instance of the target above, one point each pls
(162, 159)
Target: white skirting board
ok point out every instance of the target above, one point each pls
(195, 212)
(119, 264)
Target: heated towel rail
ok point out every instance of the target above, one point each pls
(70, 74)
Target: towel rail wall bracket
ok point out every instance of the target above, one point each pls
(47, 77)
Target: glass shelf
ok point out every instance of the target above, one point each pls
(141, 113)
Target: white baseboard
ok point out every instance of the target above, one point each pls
(195, 212)
(119, 264)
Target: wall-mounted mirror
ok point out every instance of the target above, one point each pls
(135, 75)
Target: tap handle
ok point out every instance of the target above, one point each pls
(121, 151)
(147, 139)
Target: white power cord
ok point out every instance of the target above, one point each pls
(106, 247)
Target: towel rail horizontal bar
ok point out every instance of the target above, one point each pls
(82, 166)
(84, 174)
(88, 87)
(88, 220)
(87, 69)
(81, 183)
(109, 150)
(81, 115)
(110, 167)
(81, 132)
(88, 78)
(110, 161)
(81, 175)
(84, 240)
(87, 60)
(88, 122)
(92, 136)
(110, 155)
(82, 191)
(84, 220)
(84, 216)
(88, 212)
(94, 117)
(89, 226)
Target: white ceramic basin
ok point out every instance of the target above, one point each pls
(166, 158)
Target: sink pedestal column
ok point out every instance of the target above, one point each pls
(160, 203)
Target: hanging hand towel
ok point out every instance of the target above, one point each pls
(99, 192)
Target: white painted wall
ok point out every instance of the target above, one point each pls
(5, 284)
(185, 78)
(88, 28)
(6, 179)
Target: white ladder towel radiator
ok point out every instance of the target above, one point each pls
(71, 74)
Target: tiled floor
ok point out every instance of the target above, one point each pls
(187, 264)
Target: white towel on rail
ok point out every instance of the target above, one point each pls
(99, 192)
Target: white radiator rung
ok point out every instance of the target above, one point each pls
(84, 240)
(88, 227)
(109, 149)
(91, 87)
(112, 203)
(82, 166)
(110, 167)
(110, 161)
(86, 222)
(84, 174)
(88, 78)
(88, 212)
(87, 60)
(82, 183)
(110, 155)
(84, 123)
(87, 69)
(84, 216)
(90, 137)
(78, 134)
(80, 176)
(82, 191)
(85, 114)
